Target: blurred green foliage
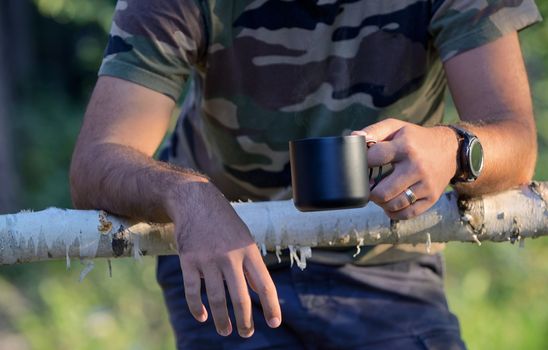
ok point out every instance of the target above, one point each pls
(42, 306)
(497, 290)
(77, 11)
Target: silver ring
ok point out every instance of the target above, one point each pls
(411, 197)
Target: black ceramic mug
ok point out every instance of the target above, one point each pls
(329, 173)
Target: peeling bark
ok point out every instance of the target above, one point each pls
(59, 233)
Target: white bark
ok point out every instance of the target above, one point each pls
(58, 233)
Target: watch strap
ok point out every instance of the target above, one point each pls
(463, 173)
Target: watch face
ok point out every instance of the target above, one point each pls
(476, 157)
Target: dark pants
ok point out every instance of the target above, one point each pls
(393, 306)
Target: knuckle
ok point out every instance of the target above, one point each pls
(402, 202)
(409, 148)
(404, 131)
(412, 212)
(265, 290)
(222, 259)
(422, 170)
(241, 303)
(188, 259)
(192, 285)
(402, 216)
(396, 206)
(391, 206)
(391, 215)
(405, 137)
(200, 260)
(192, 293)
(388, 210)
(378, 200)
(384, 196)
(217, 301)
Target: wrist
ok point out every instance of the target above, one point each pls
(469, 155)
(188, 192)
(450, 148)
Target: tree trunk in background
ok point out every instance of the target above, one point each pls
(8, 178)
(17, 21)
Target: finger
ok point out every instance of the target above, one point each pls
(393, 185)
(239, 295)
(411, 211)
(369, 141)
(217, 300)
(393, 151)
(260, 278)
(250, 281)
(385, 129)
(382, 153)
(401, 201)
(359, 133)
(192, 284)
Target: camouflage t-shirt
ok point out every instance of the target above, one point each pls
(256, 74)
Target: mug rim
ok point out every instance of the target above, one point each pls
(329, 138)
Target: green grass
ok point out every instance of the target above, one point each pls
(499, 291)
(45, 307)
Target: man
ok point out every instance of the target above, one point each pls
(257, 74)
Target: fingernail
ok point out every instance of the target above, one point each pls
(224, 332)
(202, 318)
(274, 322)
(247, 334)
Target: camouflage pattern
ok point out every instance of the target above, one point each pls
(260, 73)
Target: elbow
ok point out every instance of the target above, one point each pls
(527, 153)
(75, 182)
(531, 152)
(79, 190)
(529, 168)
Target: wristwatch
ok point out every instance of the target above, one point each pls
(469, 156)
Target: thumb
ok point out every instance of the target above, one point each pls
(383, 130)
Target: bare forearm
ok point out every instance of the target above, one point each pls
(123, 181)
(510, 151)
(112, 169)
(112, 166)
(491, 93)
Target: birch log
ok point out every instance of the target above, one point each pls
(59, 233)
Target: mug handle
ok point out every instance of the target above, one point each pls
(381, 174)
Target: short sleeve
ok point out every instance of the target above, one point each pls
(461, 25)
(155, 44)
